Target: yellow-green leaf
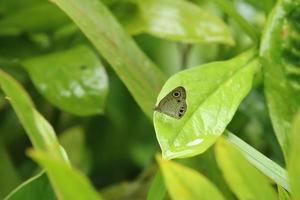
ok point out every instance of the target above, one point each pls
(67, 182)
(244, 179)
(185, 183)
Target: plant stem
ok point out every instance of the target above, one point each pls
(185, 50)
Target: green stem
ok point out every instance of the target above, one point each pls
(230, 10)
(261, 162)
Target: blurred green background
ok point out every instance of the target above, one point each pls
(116, 146)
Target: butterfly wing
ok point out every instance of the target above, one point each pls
(174, 103)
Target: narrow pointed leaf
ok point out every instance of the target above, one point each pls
(185, 183)
(36, 126)
(213, 93)
(268, 167)
(71, 78)
(244, 180)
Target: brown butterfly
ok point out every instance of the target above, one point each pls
(173, 104)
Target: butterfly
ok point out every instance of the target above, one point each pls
(174, 103)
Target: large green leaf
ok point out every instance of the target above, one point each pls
(37, 18)
(36, 188)
(67, 182)
(281, 55)
(38, 129)
(182, 21)
(293, 158)
(186, 183)
(142, 78)
(214, 91)
(73, 80)
(244, 180)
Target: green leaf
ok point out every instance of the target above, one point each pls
(73, 141)
(71, 78)
(186, 183)
(280, 54)
(257, 159)
(180, 20)
(157, 189)
(293, 161)
(36, 126)
(283, 194)
(37, 18)
(67, 182)
(214, 92)
(244, 180)
(206, 164)
(142, 78)
(36, 188)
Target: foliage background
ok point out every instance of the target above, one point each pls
(88, 87)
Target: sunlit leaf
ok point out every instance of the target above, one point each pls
(73, 80)
(214, 92)
(244, 180)
(186, 183)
